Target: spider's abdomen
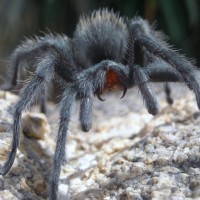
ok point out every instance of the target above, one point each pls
(101, 36)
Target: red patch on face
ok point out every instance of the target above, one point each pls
(112, 80)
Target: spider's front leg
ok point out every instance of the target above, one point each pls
(138, 76)
(65, 114)
(147, 38)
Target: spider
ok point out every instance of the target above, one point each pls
(106, 51)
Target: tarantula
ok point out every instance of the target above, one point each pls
(106, 50)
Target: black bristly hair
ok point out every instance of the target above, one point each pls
(106, 50)
(99, 37)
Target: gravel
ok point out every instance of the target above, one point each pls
(128, 154)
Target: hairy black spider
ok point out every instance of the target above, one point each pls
(106, 50)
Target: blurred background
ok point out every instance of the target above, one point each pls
(179, 19)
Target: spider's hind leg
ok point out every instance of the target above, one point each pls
(45, 71)
(30, 92)
(28, 54)
(25, 54)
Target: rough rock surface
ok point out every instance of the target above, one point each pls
(128, 154)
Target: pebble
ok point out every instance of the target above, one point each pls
(63, 191)
(35, 125)
(39, 186)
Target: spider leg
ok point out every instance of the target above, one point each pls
(28, 54)
(139, 77)
(27, 96)
(24, 54)
(162, 72)
(44, 73)
(149, 60)
(43, 101)
(168, 94)
(86, 111)
(146, 37)
(53, 63)
(65, 113)
(82, 89)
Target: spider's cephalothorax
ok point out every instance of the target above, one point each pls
(106, 50)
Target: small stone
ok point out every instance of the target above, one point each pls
(20, 196)
(24, 185)
(18, 186)
(63, 190)
(39, 186)
(35, 125)
(3, 152)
